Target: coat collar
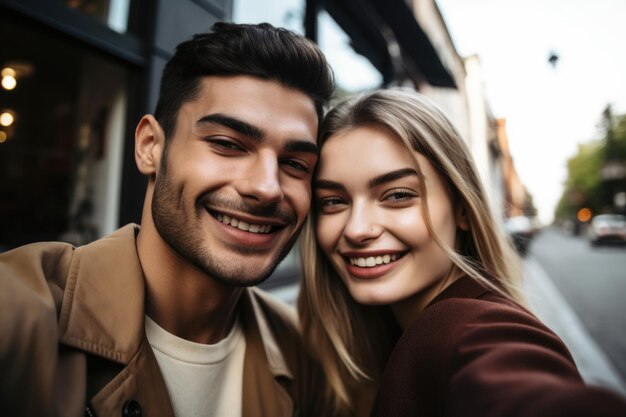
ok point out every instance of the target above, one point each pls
(262, 390)
(259, 333)
(103, 307)
(464, 287)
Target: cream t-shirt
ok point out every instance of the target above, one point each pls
(202, 380)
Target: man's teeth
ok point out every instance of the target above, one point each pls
(240, 224)
(372, 261)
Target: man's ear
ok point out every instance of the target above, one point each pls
(461, 218)
(149, 143)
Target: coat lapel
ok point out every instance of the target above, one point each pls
(265, 368)
(102, 313)
(141, 381)
(103, 306)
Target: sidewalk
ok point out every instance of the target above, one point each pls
(549, 305)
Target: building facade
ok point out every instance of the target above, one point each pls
(81, 73)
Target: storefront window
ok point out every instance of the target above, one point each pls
(113, 13)
(61, 143)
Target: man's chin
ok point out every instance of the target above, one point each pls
(241, 282)
(240, 271)
(249, 268)
(243, 279)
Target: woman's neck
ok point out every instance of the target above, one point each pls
(406, 311)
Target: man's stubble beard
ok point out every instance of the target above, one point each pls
(172, 224)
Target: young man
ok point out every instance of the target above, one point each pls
(160, 319)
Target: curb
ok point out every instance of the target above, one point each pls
(550, 307)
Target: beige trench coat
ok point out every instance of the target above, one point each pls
(72, 338)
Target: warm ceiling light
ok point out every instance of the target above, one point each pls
(8, 82)
(8, 78)
(3, 137)
(8, 72)
(6, 119)
(13, 71)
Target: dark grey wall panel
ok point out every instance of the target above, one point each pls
(178, 20)
(156, 69)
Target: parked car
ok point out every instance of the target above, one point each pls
(607, 228)
(521, 230)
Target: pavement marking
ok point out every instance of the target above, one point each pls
(547, 302)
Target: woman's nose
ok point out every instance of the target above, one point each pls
(363, 225)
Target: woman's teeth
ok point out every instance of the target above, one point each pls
(372, 261)
(240, 224)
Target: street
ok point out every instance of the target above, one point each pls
(593, 283)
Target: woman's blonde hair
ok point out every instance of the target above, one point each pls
(352, 341)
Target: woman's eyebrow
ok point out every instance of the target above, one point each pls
(374, 182)
(392, 176)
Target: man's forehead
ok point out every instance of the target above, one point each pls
(253, 99)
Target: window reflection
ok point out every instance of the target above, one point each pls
(61, 135)
(113, 13)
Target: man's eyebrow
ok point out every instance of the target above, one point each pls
(328, 185)
(256, 133)
(301, 145)
(235, 124)
(392, 176)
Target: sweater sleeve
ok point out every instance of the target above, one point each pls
(467, 357)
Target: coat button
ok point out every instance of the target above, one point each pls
(131, 408)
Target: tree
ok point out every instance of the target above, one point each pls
(582, 186)
(597, 172)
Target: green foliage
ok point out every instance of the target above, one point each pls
(618, 150)
(584, 167)
(583, 179)
(585, 186)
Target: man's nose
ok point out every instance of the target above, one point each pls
(262, 180)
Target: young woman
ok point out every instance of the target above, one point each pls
(409, 285)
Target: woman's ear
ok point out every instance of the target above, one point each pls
(461, 218)
(149, 143)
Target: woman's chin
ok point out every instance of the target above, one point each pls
(372, 296)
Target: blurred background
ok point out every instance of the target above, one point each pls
(536, 88)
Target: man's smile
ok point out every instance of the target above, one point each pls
(242, 224)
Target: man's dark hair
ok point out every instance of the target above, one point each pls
(261, 51)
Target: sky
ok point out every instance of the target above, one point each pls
(549, 110)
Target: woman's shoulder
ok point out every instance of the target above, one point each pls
(469, 324)
(472, 350)
(466, 308)
(471, 332)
